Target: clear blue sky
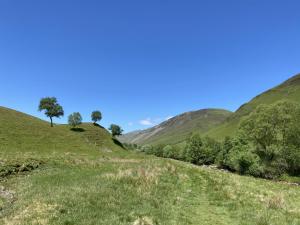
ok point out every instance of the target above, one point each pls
(140, 62)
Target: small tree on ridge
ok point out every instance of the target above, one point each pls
(96, 116)
(51, 108)
(74, 119)
(115, 130)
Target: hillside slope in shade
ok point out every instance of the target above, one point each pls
(179, 127)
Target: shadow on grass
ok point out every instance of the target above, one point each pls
(117, 142)
(98, 125)
(77, 129)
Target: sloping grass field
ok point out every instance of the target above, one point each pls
(58, 176)
(289, 90)
(178, 128)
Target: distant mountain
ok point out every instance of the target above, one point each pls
(178, 128)
(289, 90)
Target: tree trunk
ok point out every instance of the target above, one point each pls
(51, 122)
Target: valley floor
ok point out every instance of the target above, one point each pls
(129, 188)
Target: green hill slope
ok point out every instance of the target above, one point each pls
(178, 128)
(20, 132)
(55, 176)
(289, 90)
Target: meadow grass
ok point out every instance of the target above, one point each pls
(78, 189)
(58, 176)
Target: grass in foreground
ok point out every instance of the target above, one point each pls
(76, 189)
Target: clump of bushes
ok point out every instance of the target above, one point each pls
(197, 150)
(267, 144)
(236, 155)
(201, 150)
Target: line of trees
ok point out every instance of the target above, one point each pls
(51, 108)
(267, 144)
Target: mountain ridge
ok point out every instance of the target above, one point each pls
(287, 90)
(177, 128)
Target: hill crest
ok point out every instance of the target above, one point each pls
(23, 132)
(177, 128)
(289, 90)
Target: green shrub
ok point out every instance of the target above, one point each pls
(248, 163)
(168, 151)
(193, 149)
(201, 150)
(210, 150)
(222, 155)
(148, 149)
(274, 132)
(158, 150)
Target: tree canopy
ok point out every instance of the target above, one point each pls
(273, 131)
(51, 108)
(96, 116)
(116, 130)
(74, 119)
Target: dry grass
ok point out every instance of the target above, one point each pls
(37, 213)
(276, 202)
(143, 221)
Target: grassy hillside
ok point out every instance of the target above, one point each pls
(179, 127)
(61, 177)
(21, 132)
(288, 90)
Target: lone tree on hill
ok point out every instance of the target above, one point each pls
(96, 116)
(51, 108)
(115, 130)
(74, 119)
